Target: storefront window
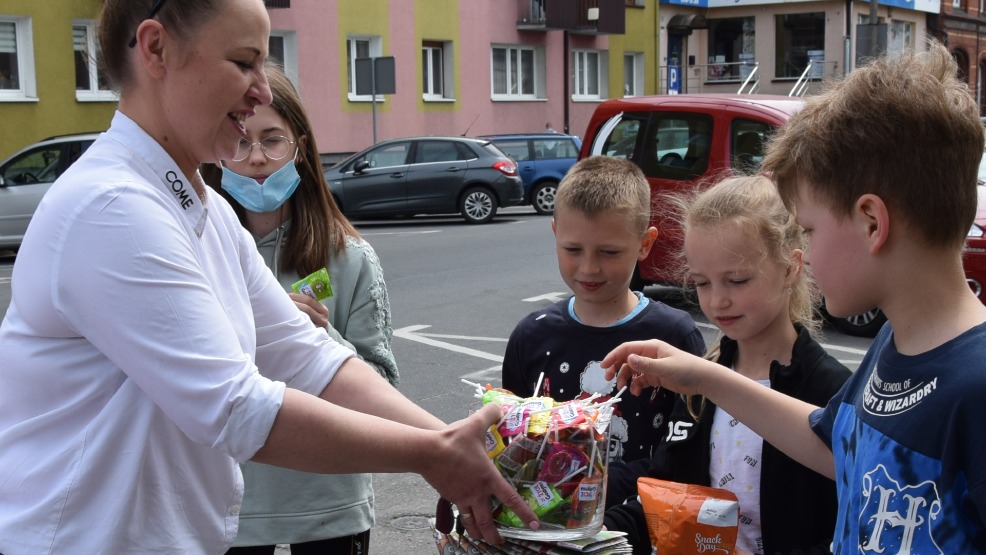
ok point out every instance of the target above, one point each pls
(731, 48)
(800, 37)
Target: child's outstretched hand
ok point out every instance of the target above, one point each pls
(640, 364)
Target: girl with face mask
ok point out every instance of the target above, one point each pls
(275, 184)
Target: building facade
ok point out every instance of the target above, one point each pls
(489, 66)
(49, 79)
(461, 66)
(961, 26)
(718, 44)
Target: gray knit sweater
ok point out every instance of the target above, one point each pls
(287, 506)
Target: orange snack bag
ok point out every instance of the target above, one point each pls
(685, 519)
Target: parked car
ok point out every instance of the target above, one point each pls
(681, 141)
(543, 159)
(27, 175)
(427, 175)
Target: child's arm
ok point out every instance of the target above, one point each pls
(778, 419)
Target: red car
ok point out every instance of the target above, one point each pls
(681, 141)
(974, 258)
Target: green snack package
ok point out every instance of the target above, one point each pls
(316, 285)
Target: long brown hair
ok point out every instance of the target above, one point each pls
(318, 228)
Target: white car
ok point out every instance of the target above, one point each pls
(26, 176)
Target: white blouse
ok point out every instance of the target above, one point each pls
(128, 361)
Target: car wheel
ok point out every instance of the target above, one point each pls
(543, 197)
(866, 324)
(478, 205)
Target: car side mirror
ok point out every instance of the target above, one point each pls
(360, 166)
(3, 182)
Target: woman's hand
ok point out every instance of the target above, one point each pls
(318, 312)
(468, 478)
(640, 364)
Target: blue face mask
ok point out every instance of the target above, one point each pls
(277, 188)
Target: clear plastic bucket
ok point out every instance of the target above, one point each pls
(561, 473)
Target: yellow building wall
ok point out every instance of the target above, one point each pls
(641, 36)
(56, 110)
(437, 20)
(362, 18)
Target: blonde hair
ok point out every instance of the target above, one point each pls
(600, 183)
(753, 205)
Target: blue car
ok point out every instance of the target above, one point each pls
(542, 160)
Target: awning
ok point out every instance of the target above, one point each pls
(682, 24)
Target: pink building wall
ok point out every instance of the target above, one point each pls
(344, 126)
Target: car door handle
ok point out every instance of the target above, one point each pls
(397, 175)
(453, 169)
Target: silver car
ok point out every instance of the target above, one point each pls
(26, 176)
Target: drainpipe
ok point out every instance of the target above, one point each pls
(847, 62)
(874, 20)
(567, 80)
(657, 48)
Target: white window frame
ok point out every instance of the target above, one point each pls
(289, 39)
(635, 61)
(24, 37)
(515, 74)
(375, 48)
(582, 77)
(448, 83)
(901, 36)
(91, 54)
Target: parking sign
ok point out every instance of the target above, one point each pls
(674, 83)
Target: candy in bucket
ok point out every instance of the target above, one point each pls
(555, 454)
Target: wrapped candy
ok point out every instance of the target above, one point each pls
(555, 455)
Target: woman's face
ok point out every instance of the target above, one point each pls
(266, 125)
(213, 81)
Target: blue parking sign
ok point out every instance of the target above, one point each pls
(674, 82)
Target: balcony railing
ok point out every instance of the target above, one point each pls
(579, 16)
(530, 14)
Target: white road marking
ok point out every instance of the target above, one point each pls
(489, 375)
(553, 297)
(364, 234)
(466, 337)
(409, 333)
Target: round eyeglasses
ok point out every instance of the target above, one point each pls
(274, 148)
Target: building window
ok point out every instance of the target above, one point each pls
(588, 74)
(16, 59)
(90, 83)
(360, 47)
(901, 36)
(517, 73)
(800, 37)
(959, 4)
(731, 48)
(633, 74)
(282, 47)
(436, 72)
